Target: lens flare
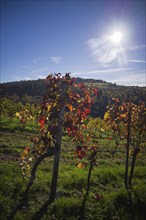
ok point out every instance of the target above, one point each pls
(116, 38)
(109, 48)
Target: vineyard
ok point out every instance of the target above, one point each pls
(78, 154)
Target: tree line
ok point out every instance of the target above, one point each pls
(32, 92)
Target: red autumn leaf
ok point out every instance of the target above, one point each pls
(42, 121)
(95, 90)
(79, 153)
(87, 111)
(79, 111)
(81, 85)
(69, 132)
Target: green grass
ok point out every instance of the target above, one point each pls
(14, 125)
(66, 208)
(107, 198)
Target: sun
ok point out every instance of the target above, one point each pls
(109, 48)
(116, 37)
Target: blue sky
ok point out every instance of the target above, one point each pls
(42, 37)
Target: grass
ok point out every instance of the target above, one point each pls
(66, 208)
(108, 199)
(13, 125)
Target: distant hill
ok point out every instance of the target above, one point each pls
(24, 91)
(32, 92)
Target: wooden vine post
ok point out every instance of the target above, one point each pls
(58, 141)
(127, 148)
(135, 153)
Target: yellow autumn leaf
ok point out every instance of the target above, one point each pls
(80, 165)
(106, 115)
(49, 107)
(17, 114)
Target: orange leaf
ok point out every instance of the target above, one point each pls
(70, 107)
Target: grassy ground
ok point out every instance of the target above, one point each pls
(108, 199)
(15, 126)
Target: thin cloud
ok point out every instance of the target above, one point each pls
(25, 67)
(137, 61)
(112, 70)
(136, 47)
(36, 60)
(27, 78)
(121, 76)
(131, 79)
(56, 59)
(41, 76)
(41, 72)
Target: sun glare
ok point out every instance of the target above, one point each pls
(116, 38)
(110, 47)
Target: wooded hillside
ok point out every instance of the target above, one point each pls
(32, 92)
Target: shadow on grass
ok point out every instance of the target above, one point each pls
(140, 207)
(38, 215)
(131, 208)
(131, 204)
(83, 207)
(134, 208)
(18, 207)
